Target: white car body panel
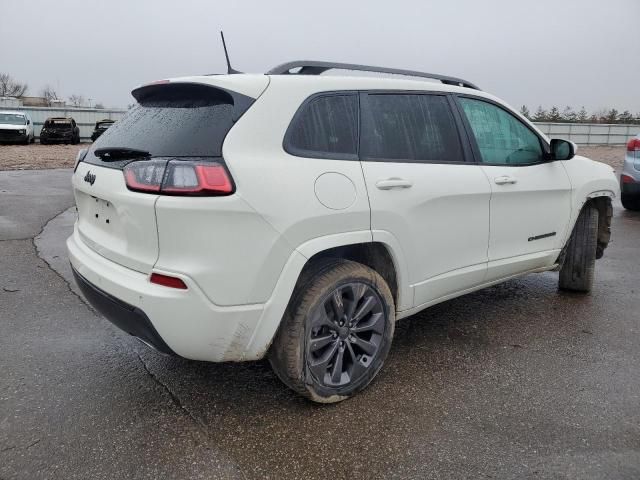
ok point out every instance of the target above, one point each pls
(445, 210)
(240, 256)
(538, 203)
(130, 238)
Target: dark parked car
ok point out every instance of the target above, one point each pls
(101, 126)
(60, 130)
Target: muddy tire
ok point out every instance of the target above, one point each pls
(336, 332)
(630, 202)
(578, 268)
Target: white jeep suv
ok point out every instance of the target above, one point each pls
(298, 216)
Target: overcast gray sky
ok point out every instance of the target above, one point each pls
(548, 52)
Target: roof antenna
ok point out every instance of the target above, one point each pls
(230, 69)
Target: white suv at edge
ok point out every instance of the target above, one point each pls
(298, 216)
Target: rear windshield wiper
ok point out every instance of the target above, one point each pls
(107, 154)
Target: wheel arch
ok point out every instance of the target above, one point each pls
(355, 246)
(602, 200)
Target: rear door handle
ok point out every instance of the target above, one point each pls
(505, 180)
(390, 183)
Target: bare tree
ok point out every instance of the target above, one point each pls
(49, 94)
(11, 88)
(76, 100)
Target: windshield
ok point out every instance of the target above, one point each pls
(104, 125)
(12, 119)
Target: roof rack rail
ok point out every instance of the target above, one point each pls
(313, 67)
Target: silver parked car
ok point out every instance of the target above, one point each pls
(630, 178)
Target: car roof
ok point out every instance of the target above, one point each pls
(254, 84)
(13, 112)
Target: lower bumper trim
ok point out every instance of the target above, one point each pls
(124, 316)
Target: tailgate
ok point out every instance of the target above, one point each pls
(113, 221)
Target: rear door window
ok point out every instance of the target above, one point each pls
(409, 128)
(325, 127)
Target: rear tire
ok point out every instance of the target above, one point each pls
(577, 271)
(630, 202)
(336, 332)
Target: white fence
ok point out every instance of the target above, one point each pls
(580, 133)
(590, 133)
(86, 118)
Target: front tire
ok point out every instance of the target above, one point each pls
(336, 332)
(578, 268)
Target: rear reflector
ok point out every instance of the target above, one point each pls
(627, 179)
(167, 281)
(178, 177)
(633, 145)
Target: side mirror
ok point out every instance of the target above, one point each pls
(28, 122)
(562, 149)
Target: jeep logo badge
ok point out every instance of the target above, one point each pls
(90, 177)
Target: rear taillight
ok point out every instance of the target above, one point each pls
(633, 145)
(178, 177)
(167, 281)
(627, 179)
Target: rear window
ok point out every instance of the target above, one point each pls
(180, 120)
(58, 122)
(325, 126)
(409, 128)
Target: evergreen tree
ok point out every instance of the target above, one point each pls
(583, 116)
(612, 116)
(525, 112)
(625, 117)
(554, 114)
(540, 115)
(569, 115)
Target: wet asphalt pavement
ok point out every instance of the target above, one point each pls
(516, 381)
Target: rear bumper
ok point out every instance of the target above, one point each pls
(56, 137)
(180, 322)
(124, 316)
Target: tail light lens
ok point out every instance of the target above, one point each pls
(178, 177)
(627, 179)
(633, 145)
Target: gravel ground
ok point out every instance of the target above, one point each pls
(36, 156)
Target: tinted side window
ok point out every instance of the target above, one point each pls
(410, 128)
(501, 137)
(325, 126)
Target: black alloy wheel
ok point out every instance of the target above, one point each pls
(345, 334)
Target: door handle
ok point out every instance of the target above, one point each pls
(390, 183)
(505, 180)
